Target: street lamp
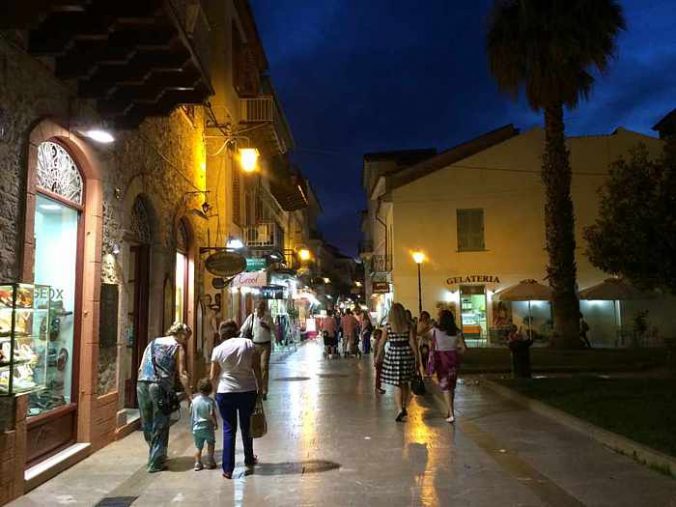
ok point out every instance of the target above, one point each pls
(304, 254)
(419, 258)
(248, 159)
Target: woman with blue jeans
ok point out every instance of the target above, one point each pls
(236, 374)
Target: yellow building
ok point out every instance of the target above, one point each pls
(477, 213)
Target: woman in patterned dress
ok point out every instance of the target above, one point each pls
(402, 357)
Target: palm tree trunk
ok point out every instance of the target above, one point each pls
(559, 231)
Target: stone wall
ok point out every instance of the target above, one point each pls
(164, 160)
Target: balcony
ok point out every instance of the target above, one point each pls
(133, 58)
(264, 236)
(380, 264)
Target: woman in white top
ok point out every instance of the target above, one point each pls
(236, 374)
(446, 347)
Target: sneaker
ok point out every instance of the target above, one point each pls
(450, 420)
(198, 466)
(210, 464)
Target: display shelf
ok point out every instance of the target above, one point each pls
(25, 318)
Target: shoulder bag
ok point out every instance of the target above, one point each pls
(168, 401)
(259, 424)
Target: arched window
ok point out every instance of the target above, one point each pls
(57, 173)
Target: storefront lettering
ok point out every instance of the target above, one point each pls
(455, 280)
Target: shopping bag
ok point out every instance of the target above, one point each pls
(418, 385)
(259, 425)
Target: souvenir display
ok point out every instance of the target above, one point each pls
(23, 359)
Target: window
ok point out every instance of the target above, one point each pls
(470, 230)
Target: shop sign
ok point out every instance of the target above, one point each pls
(272, 292)
(224, 263)
(380, 287)
(256, 279)
(456, 280)
(255, 263)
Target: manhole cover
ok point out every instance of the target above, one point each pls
(292, 379)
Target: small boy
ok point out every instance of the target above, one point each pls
(378, 359)
(203, 421)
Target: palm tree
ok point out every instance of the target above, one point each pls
(549, 48)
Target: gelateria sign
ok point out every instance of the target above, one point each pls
(458, 280)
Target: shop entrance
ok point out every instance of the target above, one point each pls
(473, 314)
(138, 282)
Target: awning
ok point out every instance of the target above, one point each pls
(613, 289)
(525, 290)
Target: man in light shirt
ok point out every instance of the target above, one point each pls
(261, 329)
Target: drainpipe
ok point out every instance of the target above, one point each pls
(383, 224)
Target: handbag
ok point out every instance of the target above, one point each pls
(259, 424)
(418, 385)
(168, 401)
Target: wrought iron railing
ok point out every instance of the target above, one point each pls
(264, 235)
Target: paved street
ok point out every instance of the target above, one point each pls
(333, 441)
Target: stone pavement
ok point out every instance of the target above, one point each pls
(333, 441)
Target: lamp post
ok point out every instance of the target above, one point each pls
(419, 258)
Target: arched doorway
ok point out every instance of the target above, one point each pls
(58, 246)
(138, 242)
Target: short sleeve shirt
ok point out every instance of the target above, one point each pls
(235, 357)
(201, 412)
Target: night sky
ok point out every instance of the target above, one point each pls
(356, 76)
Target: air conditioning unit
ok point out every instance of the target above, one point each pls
(258, 110)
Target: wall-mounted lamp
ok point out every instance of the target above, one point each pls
(248, 159)
(304, 254)
(99, 135)
(234, 244)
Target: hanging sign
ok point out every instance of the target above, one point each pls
(380, 287)
(272, 292)
(256, 279)
(456, 280)
(255, 263)
(224, 263)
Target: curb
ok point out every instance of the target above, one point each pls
(618, 443)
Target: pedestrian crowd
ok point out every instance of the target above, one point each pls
(405, 351)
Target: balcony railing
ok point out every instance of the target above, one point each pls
(264, 235)
(257, 110)
(380, 264)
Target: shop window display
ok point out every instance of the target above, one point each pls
(24, 327)
(473, 313)
(56, 241)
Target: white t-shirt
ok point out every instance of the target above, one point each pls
(234, 356)
(444, 342)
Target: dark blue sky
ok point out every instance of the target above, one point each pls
(356, 76)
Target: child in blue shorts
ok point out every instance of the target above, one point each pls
(203, 421)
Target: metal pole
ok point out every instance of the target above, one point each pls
(419, 293)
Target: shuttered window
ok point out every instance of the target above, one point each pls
(470, 230)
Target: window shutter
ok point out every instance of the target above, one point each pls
(470, 230)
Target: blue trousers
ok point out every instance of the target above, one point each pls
(228, 405)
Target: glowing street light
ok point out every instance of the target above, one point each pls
(248, 159)
(304, 254)
(419, 257)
